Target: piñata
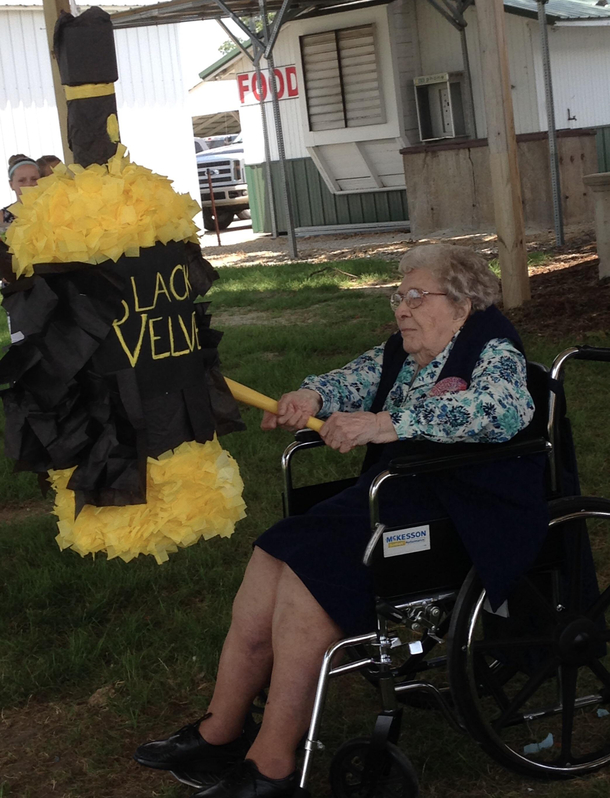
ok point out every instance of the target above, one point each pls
(114, 386)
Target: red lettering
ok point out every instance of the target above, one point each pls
(263, 86)
(242, 87)
(291, 81)
(279, 83)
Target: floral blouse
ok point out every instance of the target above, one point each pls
(6, 216)
(493, 408)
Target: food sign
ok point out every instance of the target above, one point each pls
(285, 80)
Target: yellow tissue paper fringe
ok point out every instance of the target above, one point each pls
(112, 128)
(97, 214)
(193, 492)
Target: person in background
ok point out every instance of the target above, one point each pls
(23, 172)
(46, 164)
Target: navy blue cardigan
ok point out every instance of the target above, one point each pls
(499, 509)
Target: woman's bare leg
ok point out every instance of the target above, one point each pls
(247, 655)
(302, 631)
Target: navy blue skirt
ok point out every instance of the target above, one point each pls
(324, 547)
(499, 511)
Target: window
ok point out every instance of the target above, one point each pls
(341, 78)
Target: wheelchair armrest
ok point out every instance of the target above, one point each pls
(469, 454)
(307, 436)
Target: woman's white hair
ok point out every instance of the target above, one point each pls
(460, 271)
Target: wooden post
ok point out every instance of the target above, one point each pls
(52, 9)
(504, 168)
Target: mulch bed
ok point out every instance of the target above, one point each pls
(568, 298)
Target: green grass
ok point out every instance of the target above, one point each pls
(295, 285)
(69, 626)
(534, 259)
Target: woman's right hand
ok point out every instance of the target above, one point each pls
(294, 410)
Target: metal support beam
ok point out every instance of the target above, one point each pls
(269, 193)
(279, 134)
(256, 43)
(264, 45)
(275, 27)
(235, 40)
(550, 115)
(453, 11)
(292, 241)
(470, 112)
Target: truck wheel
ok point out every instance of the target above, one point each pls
(225, 217)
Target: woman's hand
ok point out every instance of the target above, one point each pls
(293, 410)
(345, 431)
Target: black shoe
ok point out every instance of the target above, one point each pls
(187, 746)
(246, 781)
(195, 777)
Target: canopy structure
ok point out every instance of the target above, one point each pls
(262, 44)
(504, 169)
(210, 124)
(192, 10)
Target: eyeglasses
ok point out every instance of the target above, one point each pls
(414, 297)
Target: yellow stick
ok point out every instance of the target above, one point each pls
(256, 399)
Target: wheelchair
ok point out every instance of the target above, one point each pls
(529, 683)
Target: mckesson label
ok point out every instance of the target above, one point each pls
(406, 541)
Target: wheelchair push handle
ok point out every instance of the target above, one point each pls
(600, 353)
(255, 399)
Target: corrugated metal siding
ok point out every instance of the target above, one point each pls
(28, 116)
(152, 103)
(153, 115)
(580, 65)
(313, 203)
(603, 148)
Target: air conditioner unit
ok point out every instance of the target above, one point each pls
(440, 107)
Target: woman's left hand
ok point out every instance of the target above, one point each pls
(345, 431)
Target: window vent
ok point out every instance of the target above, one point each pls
(341, 79)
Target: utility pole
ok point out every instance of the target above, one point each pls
(52, 9)
(502, 142)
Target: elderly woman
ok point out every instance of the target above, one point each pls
(22, 173)
(454, 372)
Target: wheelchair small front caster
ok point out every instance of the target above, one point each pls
(358, 771)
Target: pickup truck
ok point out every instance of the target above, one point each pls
(226, 167)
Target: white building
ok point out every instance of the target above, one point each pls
(354, 107)
(152, 100)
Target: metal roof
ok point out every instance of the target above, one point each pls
(225, 59)
(560, 9)
(191, 10)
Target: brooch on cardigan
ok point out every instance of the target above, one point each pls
(449, 385)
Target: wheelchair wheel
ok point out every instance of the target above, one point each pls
(533, 689)
(388, 774)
